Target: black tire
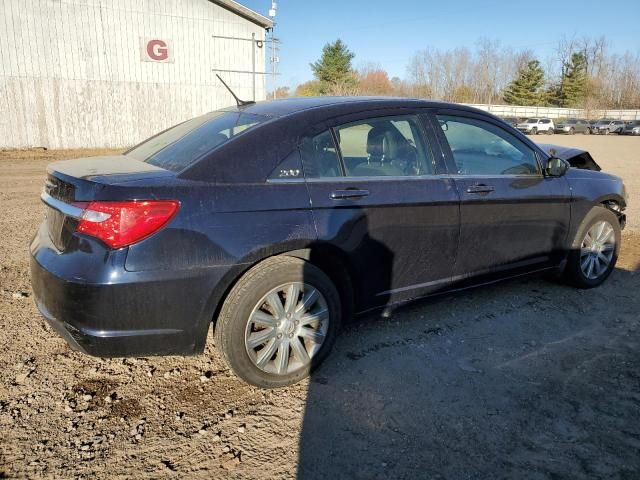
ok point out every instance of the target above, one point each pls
(243, 297)
(550, 131)
(587, 131)
(572, 131)
(573, 272)
(534, 131)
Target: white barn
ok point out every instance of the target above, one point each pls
(109, 73)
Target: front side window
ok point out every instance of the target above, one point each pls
(177, 148)
(481, 148)
(384, 146)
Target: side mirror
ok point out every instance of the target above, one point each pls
(556, 167)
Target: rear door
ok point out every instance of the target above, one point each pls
(511, 215)
(379, 195)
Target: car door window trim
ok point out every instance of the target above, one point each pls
(487, 120)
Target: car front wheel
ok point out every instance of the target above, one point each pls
(595, 249)
(278, 322)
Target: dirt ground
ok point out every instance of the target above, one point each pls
(524, 379)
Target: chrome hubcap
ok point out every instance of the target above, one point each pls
(287, 328)
(596, 251)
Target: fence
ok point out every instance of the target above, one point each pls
(555, 112)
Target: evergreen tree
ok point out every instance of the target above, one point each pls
(333, 69)
(527, 88)
(574, 82)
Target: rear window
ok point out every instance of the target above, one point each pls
(178, 147)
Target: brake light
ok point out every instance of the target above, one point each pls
(119, 224)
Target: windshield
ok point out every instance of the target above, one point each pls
(532, 120)
(177, 148)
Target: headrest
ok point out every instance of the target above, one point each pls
(383, 141)
(376, 139)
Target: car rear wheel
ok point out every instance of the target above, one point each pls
(572, 131)
(534, 131)
(587, 131)
(278, 322)
(595, 249)
(550, 131)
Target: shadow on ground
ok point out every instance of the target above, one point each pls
(525, 379)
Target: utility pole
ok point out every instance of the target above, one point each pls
(274, 49)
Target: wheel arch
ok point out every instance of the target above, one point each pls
(617, 205)
(329, 259)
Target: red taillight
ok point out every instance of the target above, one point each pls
(119, 224)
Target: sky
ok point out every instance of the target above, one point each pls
(389, 33)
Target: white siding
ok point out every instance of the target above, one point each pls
(71, 73)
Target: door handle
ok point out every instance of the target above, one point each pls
(349, 193)
(481, 188)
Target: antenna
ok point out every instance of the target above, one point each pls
(239, 102)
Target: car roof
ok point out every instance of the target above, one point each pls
(289, 106)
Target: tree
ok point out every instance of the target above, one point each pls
(333, 70)
(281, 92)
(574, 82)
(527, 88)
(374, 80)
(311, 88)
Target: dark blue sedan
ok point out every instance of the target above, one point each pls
(273, 222)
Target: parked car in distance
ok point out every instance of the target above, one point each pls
(571, 126)
(605, 126)
(273, 222)
(631, 128)
(534, 126)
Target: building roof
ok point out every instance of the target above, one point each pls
(245, 12)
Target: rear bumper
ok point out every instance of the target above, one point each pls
(115, 313)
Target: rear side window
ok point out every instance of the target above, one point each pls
(180, 146)
(320, 156)
(481, 148)
(386, 146)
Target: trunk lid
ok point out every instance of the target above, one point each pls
(108, 169)
(71, 181)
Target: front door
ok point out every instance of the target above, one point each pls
(511, 215)
(379, 196)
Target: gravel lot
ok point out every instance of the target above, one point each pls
(524, 379)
